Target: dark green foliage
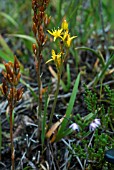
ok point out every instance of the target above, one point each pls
(110, 96)
(90, 99)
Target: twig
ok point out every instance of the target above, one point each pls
(89, 146)
(78, 159)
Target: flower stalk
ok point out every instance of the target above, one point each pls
(59, 59)
(12, 94)
(11, 137)
(40, 21)
(54, 103)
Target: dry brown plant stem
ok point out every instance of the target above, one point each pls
(11, 135)
(13, 95)
(39, 109)
(40, 21)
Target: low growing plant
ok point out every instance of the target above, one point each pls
(12, 94)
(64, 40)
(95, 134)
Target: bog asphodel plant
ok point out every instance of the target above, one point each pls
(40, 23)
(65, 42)
(63, 35)
(11, 93)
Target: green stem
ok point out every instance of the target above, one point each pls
(60, 70)
(54, 103)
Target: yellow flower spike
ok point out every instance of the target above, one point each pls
(56, 33)
(69, 40)
(64, 25)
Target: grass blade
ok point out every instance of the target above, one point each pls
(30, 88)
(69, 109)
(6, 48)
(109, 62)
(9, 18)
(26, 37)
(94, 52)
(6, 57)
(101, 75)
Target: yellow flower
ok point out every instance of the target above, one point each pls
(66, 38)
(56, 33)
(65, 35)
(69, 40)
(64, 25)
(56, 58)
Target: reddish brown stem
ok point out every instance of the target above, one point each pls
(11, 137)
(40, 92)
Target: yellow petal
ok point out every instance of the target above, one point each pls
(49, 60)
(50, 32)
(53, 52)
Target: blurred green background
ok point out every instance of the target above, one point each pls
(83, 17)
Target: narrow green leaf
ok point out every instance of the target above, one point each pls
(109, 62)
(69, 108)
(67, 86)
(6, 48)
(111, 47)
(26, 37)
(68, 77)
(30, 88)
(44, 117)
(101, 75)
(9, 18)
(94, 52)
(6, 57)
(2, 66)
(88, 117)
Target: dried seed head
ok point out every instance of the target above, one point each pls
(4, 87)
(4, 74)
(34, 47)
(34, 28)
(10, 81)
(16, 65)
(10, 78)
(16, 79)
(41, 9)
(47, 20)
(9, 73)
(10, 95)
(19, 93)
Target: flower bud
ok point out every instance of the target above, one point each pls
(4, 87)
(34, 28)
(64, 25)
(34, 47)
(16, 65)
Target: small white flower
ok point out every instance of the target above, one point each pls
(97, 121)
(74, 126)
(94, 124)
